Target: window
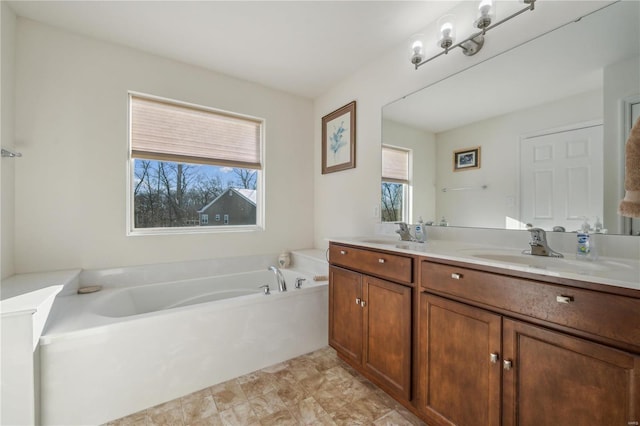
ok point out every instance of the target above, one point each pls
(184, 159)
(395, 184)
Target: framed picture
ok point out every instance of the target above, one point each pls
(466, 159)
(339, 139)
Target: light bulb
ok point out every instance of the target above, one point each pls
(417, 46)
(486, 13)
(416, 49)
(446, 29)
(485, 7)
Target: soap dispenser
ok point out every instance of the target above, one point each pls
(284, 260)
(420, 232)
(583, 249)
(597, 227)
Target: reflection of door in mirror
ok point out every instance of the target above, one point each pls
(561, 178)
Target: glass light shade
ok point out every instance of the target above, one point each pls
(486, 14)
(416, 48)
(446, 31)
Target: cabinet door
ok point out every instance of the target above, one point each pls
(556, 379)
(460, 381)
(387, 331)
(345, 313)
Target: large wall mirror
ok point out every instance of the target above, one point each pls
(531, 137)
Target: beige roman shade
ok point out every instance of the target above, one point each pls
(165, 131)
(395, 164)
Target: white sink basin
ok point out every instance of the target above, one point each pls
(551, 263)
(389, 240)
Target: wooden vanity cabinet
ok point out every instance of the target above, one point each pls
(479, 365)
(556, 379)
(370, 318)
(459, 384)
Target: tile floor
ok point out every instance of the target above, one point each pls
(313, 389)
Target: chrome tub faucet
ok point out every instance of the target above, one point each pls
(282, 285)
(538, 244)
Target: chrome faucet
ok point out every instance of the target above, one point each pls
(282, 285)
(405, 234)
(538, 244)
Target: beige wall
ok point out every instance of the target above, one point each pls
(7, 165)
(71, 125)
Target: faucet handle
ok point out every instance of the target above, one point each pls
(538, 236)
(267, 291)
(299, 282)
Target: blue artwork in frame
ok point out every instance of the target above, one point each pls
(339, 139)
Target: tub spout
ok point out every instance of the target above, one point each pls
(282, 285)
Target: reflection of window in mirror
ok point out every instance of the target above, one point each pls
(395, 184)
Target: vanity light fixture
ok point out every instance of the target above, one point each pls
(472, 44)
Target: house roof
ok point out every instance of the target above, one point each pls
(248, 194)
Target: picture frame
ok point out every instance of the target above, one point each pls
(466, 159)
(339, 139)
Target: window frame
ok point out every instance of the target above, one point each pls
(407, 186)
(131, 230)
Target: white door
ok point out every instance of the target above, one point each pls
(561, 178)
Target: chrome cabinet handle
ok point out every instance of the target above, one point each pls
(363, 304)
(494, 357)
(343, 252)
(357, 300)
(507, 364)
(564, 299)
(380, 260)
(456, 276)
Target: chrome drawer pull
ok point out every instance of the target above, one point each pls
(494, 357)
(343, 252)
(456, 276)
(507, 364)
(363, 304)
(564, 299)
(380, 260)
(357, 301)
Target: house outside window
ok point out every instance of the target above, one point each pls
(395, 189)
(183, 158)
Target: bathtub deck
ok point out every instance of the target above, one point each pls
(316, 388)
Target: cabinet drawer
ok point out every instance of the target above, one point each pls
(384, 265)
(602, 314)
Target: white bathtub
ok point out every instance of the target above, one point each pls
(112, 353)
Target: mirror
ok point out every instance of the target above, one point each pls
(570, 94)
